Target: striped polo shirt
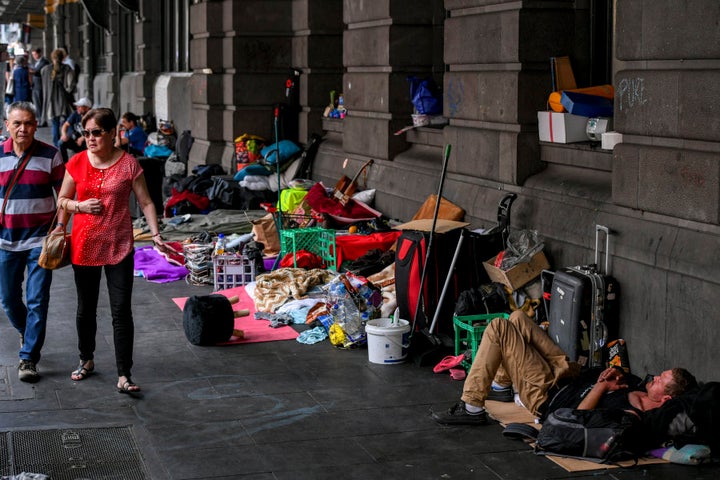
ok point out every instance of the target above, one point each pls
(31, 204)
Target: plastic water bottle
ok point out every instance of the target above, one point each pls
(239, 241)
(220, 245)
(352, 324)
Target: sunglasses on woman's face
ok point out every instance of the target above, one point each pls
(95, 132)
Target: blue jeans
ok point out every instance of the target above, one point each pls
(28, 319)
(56, 123)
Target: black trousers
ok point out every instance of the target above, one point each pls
(119, 284)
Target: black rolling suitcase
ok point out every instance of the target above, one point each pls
(583, 313)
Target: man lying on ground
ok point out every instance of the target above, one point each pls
(518, 352)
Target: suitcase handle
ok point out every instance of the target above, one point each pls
(601, 341)
(606, 230)
(503, 216)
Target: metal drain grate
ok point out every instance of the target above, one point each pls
(4, 459)
(4, 384)
(70, 454)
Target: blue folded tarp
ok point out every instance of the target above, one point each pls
(587, 105)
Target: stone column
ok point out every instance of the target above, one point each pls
(317, 51)
(667, 106)
(497, 56)
(137, 87)
(240, 57)
(385, 41)
(209, 22)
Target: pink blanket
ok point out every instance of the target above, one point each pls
(255, 330)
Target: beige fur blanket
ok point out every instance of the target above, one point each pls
(275, 288)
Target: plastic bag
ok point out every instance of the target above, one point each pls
(425, 96)
(351, 302)
(521, 246)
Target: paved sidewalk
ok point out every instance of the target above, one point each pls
(279, 410)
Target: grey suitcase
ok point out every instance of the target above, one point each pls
(583, 313)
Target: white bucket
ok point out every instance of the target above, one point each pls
(387, 340)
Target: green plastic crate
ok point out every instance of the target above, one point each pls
(469, 330)
(319, 241)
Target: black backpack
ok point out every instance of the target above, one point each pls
(599, 435)
(183, 145)
(487, 298)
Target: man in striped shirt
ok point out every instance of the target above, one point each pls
(31, 173)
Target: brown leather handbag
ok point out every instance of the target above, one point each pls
(55, 249)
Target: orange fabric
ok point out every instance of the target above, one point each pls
(108, 238)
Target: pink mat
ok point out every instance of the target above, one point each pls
(255, 330)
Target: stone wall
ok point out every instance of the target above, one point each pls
(658, 192)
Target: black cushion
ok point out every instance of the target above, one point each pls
(208, 319)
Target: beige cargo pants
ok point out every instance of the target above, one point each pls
(517, 351)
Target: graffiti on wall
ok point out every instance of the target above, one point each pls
(454, 96)
(692, 176)
(631, 93)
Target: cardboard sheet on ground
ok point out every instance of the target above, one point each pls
(506, 413)
(255, 330)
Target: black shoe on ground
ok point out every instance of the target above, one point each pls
(501, 395)
(457, 415)
(27, 371)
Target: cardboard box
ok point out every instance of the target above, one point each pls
(562, 127)
(518, 275)
(610, 139)
(425, 225)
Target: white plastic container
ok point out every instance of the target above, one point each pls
(387, 340)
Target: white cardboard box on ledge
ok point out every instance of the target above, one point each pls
(610, 139)
(559, 127)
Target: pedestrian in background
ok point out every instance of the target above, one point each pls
(9, 67)
(58, 81)
(30, 174)
(71, 131)
(67, 60)
(39, 61)
(21, 77)
(130, 135)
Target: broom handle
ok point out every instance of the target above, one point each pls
(448, 279)
(446, 156)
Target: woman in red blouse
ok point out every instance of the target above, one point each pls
(96, 189)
